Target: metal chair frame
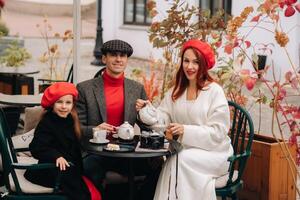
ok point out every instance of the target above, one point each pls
(241, 134)
(10, 165)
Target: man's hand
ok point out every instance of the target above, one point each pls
(62, 163)
(109, 128)
(140, 103)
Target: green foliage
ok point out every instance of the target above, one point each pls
(14, 56)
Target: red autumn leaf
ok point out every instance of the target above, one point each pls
(282, 94)
(297, 7)
(289, 11)
(218, 44)
(267, 5)
(296, 114)
(235, 44)
(290, 2)
(248, 44)
(152, 89)
(281, 3)
(293, 139)
(288, 76)
(294, 83)
(249, 83)
(256, 18)
(228, 49)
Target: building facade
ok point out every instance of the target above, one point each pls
(127, 20)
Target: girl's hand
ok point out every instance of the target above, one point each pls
(109, 128)
(140, 103)
(175, 129)
(62, 163)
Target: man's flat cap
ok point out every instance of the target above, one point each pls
(112, 46)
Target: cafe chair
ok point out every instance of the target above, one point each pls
(241, 134)
(100, 72)
(12, 114)
(13, 172)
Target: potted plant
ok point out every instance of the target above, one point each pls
(54, 59)
(13, 74)
(5, 38)
(14, 55)
(272, 170)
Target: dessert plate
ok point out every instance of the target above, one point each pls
(124, 142)
(123, 148)
(99, 142)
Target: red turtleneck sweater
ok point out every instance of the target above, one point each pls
(114, 98)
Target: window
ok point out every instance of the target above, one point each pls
(215, 5)
(135, 12)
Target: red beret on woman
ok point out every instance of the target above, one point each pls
(57, 90)
(204, 48)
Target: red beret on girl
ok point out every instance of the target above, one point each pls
(205, 50)
(57, 90)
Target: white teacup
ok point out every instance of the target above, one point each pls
(99, 135)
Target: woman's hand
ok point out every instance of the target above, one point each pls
(140, 103)
(175, 129)
(109, 128)
(62, 163)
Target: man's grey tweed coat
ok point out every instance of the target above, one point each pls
(91, 104)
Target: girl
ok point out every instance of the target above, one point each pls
(198, 113)
(56, 139)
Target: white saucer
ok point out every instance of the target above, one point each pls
(115, 136)
(99, 142)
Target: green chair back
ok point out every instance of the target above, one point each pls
(10, 164)
(241, 134)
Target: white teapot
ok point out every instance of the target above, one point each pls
(148, 115)
(126, 131)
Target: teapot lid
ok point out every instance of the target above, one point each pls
(125, 124)
(151, 110)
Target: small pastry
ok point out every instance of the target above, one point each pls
(113, 147)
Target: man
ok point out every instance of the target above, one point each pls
(106, 102)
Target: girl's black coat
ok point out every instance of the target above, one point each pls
(54, 137)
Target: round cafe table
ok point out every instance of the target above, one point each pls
(97, 149)
(16, 72)
(20, 100)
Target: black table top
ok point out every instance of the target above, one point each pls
(98, 150)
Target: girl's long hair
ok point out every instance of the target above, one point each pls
(75, 117)
(181, 81)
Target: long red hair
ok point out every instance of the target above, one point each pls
(181, 82)
(75, 117)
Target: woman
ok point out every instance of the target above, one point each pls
(56, 140)
(198, 112)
